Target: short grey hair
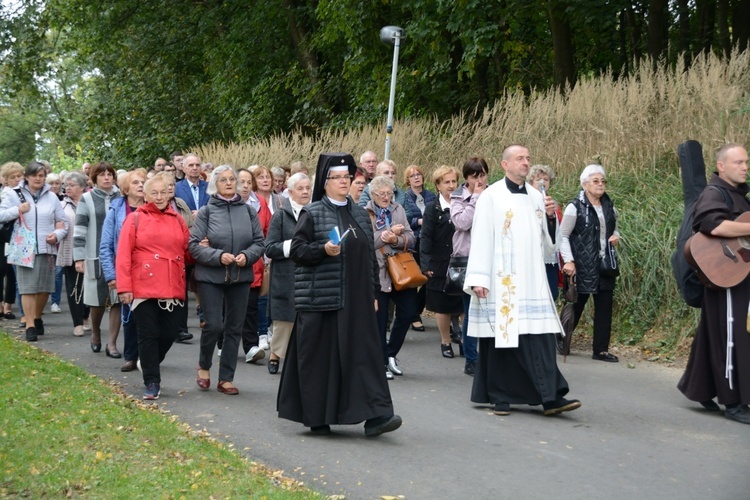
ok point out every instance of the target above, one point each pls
(293, 180)
(278, 172)
(34, 168)
(77, 177)
(381, 181)
(52, 177)
(212, 189)
(589, 171)
(537, 170)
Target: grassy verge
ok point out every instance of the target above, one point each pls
(65, 432)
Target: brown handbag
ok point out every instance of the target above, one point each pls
(402, 267)
(265, 285)
(404, 270)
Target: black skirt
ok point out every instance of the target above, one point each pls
(438, 302)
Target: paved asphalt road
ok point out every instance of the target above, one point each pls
(635, 436)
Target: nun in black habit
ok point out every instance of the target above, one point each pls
(333, 372)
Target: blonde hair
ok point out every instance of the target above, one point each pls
(441, 172)
(11, 167)
(124, 180)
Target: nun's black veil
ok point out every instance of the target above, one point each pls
(325, 162)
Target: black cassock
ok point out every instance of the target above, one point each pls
(333, 372)
(704, 376)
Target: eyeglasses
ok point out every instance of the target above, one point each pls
(597, 182)
(414, 176)
(386, 194)
(226, 180)
(338, 177)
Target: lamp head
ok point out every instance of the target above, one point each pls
(389, 33)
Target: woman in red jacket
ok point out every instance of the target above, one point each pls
(150, 269)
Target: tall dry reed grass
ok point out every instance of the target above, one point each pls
(624, 124)
(631, 126)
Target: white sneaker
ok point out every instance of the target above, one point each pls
(254, 354)
(78, 331)
(388, 375)
(86, 325)
(55, 308)
(263, 342)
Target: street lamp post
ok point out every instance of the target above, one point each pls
(391, 35)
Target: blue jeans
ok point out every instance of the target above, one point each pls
(470, 343)
(553, 272)
(57, 294)
(263, 320)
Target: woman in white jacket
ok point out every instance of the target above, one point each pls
(44, 215)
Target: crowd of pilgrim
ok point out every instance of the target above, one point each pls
(251, 248)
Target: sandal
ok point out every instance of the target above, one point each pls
(273, 366)
(446, 350)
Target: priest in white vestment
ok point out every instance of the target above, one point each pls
(512, 311)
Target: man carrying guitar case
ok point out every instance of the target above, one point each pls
(719, 362)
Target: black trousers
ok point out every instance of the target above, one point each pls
(224, 308)
(157, 331)
(405, 302)
(603, 300)
(250, 325)
(8, 287)
(74, 289)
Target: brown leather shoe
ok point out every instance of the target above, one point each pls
(203, 383)
(227, 388)
(128, 366)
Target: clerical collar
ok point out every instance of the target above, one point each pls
(337, 202)
(515, 188)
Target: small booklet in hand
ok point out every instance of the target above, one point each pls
(336, 237)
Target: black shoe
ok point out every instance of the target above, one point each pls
(320, 430)
(380, 425)
(470, 368)
(446, 350)
(31, 334)
(39, 325)
(96, 347)
(273, 366)
(417, 326)
(501, 409)
(560, 406)
(737, 413)
(112, 354)
(456, 336)
(605, 356)
(710, 405)
(184, 337)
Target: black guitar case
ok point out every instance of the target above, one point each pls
(693, 173)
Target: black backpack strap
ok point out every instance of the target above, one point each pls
(20, 195)
(725, 195)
